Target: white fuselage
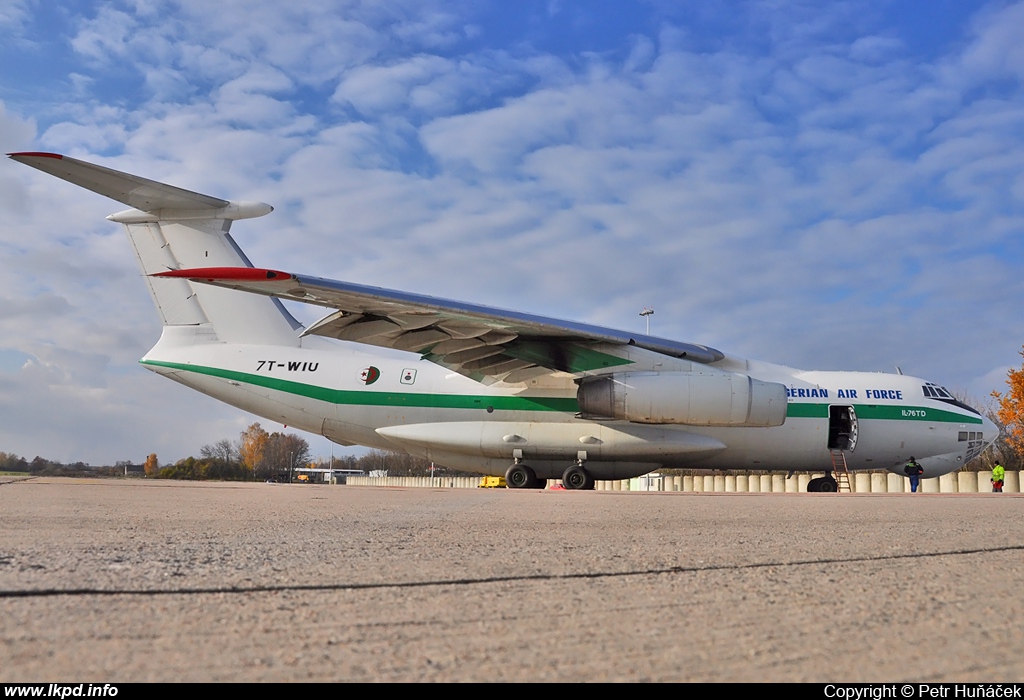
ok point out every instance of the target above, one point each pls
(396, 401)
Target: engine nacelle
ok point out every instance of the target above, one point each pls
(698, 397)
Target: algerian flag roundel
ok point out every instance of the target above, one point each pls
(368, 375)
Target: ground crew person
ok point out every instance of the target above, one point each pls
(998, 474)
(914, 471)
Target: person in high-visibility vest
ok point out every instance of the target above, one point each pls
(998, 474)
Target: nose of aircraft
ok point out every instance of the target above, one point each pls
(990, 430)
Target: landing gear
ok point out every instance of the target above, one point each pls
(520, 476)
(823, 484)
(577, 478)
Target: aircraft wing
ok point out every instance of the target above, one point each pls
(481, 342)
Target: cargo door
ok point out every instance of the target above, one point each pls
(842, 428)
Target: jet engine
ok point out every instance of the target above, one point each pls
(698, 397)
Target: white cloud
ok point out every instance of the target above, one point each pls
(876, 49)
(13, 15)
(16, 134)
(373, 89)
(50, 306)
(105, 37)
(997, 50)
(497, 139)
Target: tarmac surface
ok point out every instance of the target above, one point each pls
(134, 580)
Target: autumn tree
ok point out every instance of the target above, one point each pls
(1010, 410)
(251, 447)
(151, 465)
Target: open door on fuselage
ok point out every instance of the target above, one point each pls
(842, 428)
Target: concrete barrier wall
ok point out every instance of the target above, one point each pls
(860, 482)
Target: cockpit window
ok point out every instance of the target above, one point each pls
(934, 391)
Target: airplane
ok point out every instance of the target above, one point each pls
(498, 392)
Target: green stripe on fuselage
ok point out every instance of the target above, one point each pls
(883, 412)
(527, 403)
(807, 410)
(382, 398)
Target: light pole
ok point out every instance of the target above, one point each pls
(647, 313)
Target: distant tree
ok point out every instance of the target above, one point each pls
(191, 468)
(217, 461)
(284, 451)
(999, 451)
(400, 464)
(377, 461)
(182, 469)
(39, 465)
(222, 450)
(11, 462)
(1009, 413)
(152, 466)
(251, 447)
(345, 462)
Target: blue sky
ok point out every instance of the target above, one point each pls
(823, 185)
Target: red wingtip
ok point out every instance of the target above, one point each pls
(223, 274)
(38, 154)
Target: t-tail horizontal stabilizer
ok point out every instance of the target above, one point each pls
(172, 228)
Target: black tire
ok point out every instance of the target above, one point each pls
(520, 476)
(814, 485)
(577, 478)
(828, 485)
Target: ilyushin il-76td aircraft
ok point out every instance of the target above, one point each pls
(493, 391)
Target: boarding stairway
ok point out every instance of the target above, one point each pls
(841, 471)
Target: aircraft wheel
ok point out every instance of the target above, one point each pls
(828, 485)
(577, 478)
(520, 476)
(814, 485)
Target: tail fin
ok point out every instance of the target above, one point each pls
(171, 228)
